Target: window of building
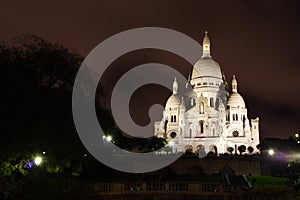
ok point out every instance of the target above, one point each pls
(204, 83)
(190, 133)
(201, 126)
(193, 102)
(235, 133)
(217, 102)
(173, 135)
(211, 102)
(173, 118)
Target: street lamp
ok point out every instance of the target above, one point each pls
(38, 160)
(271, 152)
(297, 135)
(108, 138)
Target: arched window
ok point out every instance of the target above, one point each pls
(165, 126)
(211, 102)
(173, 118)
(217, 102)
(213, 131)
(201, 108)
(201, 127)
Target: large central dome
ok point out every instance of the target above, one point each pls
(206, 66)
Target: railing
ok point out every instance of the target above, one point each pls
(165, 187)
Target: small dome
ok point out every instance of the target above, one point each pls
(236, 100)
(206, 66)
(173, 101)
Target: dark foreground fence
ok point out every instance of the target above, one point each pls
(159, 190)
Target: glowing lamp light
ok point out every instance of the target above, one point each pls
(271, 152)
(109, 138)
(38, 160)
(296, 135)
(171, 143)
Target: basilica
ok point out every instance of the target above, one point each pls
(210, 117)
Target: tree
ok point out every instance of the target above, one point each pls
(242, 149)
(230, 149)
(259, 147)
(250, 149)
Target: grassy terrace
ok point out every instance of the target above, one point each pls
(267, 180)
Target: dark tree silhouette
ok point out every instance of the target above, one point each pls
(230, 149)
(250, 149)
(242, 149)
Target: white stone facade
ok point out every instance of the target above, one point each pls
(209, 117)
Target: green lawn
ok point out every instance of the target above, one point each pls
(267, 180)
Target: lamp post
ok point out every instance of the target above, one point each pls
(297, 136)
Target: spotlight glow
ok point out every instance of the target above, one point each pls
(271, 152)
(38, 160)
(109, 138)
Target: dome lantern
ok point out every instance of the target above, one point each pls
(206, 46)
(234, 84)
(206, 66)
(175, 86)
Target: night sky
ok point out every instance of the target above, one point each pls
(257, 40)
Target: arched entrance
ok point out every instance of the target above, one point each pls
(199, 148)
(188, 149)
(213, 148)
